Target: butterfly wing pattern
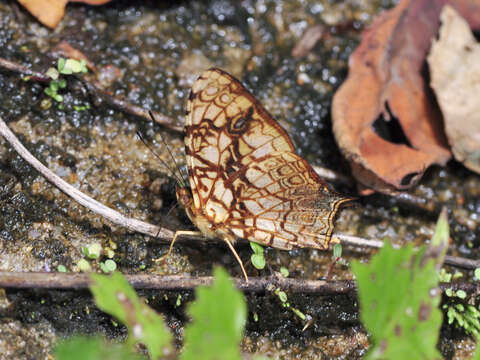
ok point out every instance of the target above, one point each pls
(246, 180)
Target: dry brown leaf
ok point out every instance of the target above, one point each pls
(385, 79)
(455, 77)
(50, 12)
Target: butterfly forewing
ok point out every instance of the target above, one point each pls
(246, 180)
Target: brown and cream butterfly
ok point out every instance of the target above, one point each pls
(245, 179)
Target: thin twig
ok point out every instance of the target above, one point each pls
(14, 67)
(156, 231)
(427, 205)
(456, 261)
(331, 175)
(39, 280)
(130, 108)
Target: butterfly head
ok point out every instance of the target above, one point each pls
(184, 195)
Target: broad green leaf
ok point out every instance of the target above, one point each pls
(218, 321)
(399, 300)
(476, 355)
(114, 295)
(83, 348)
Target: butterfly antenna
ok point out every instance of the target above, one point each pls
(168, 149)
(172, 208)
(174, 174)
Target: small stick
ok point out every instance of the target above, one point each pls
(12, 66)
(130, 108)
(44, 280)
(331, 175)
(456, 261)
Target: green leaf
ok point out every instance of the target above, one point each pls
(399, 300)
(284, 271)
(83, 66)
(61, 64)
(52, 73)
(83, 265)
(477, 273)
(108, 266)
(71, 66)
(75, 65)
(257, 248)
(337, 251)
(439, 244)
(300, 314)
(444, 276)
(82, 348)
(61, 268)
(84, 251)
(54, 86)
(94, 250)
(282, 295)
(179, 300)
(219, 314)
(258, 261)
(49, 92)
(114, 295)
(476, 355)
(257, 258)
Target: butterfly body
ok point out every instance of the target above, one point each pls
(246, 181)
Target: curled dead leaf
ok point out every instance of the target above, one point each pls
(455, 78)
(384, 119)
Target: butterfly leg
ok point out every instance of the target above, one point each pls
(240, 262)
(178, 234)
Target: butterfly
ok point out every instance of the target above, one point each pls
(245, 179)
